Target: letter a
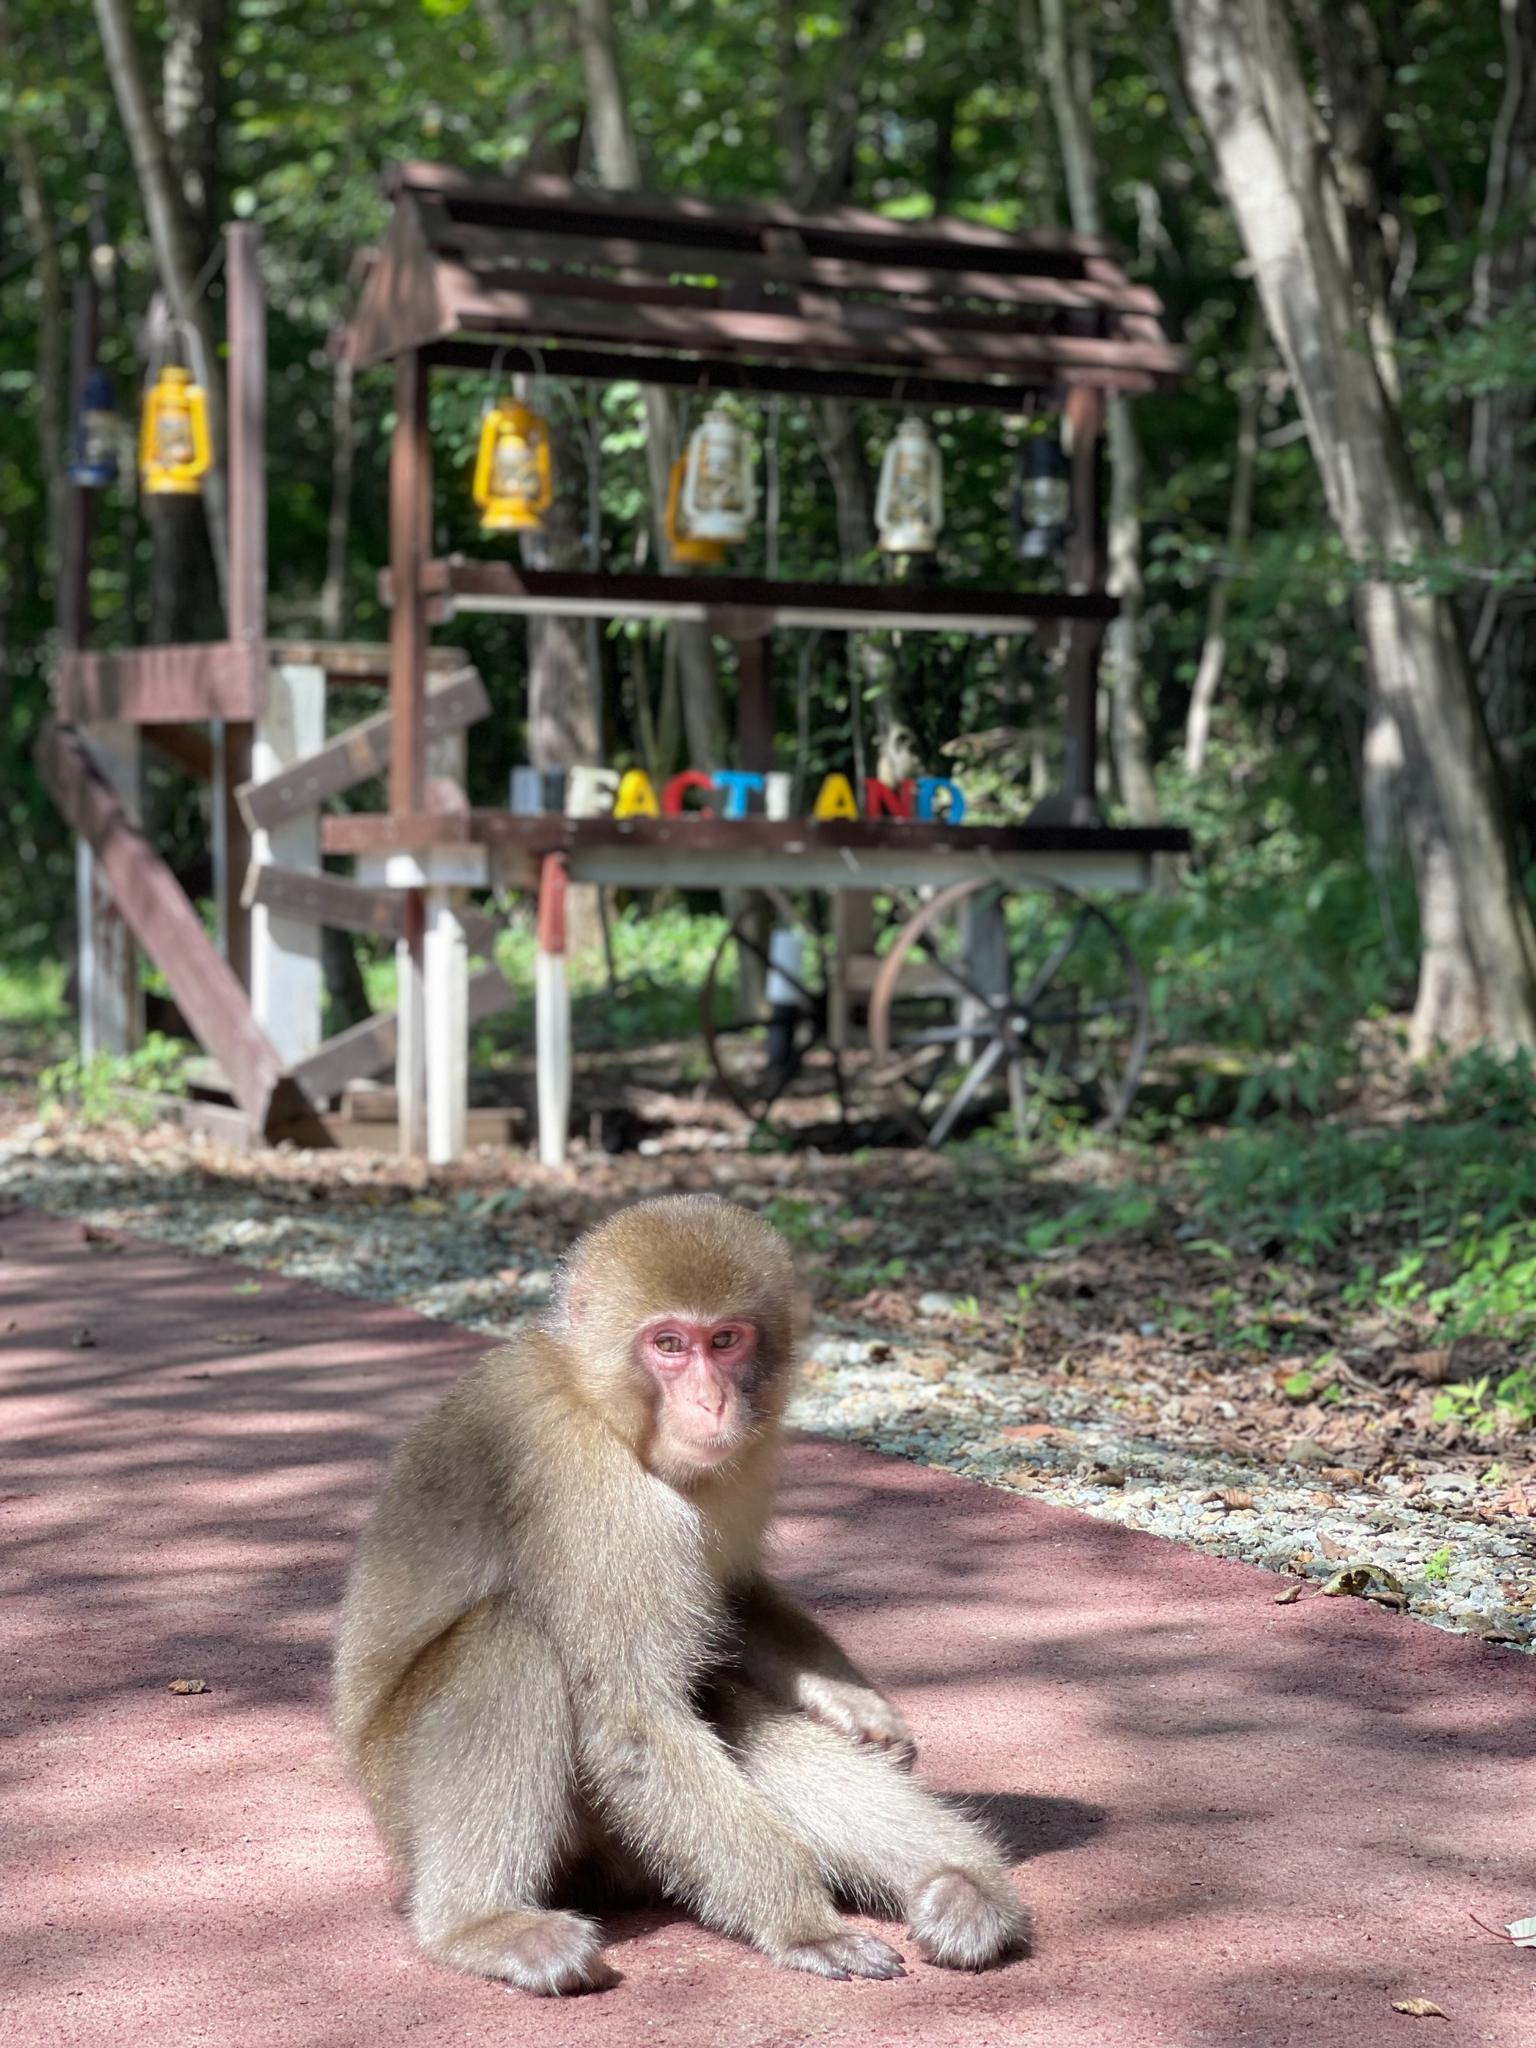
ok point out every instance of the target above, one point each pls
(835, 799)
(636, 798)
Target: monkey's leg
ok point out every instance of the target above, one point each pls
(879, 1835)
(666, 1783)
(479, 1795)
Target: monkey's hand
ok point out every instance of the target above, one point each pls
(858, 1712)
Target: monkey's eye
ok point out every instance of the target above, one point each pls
(725, 1340)
(668, 1340)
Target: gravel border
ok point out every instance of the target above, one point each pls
(912, 1397)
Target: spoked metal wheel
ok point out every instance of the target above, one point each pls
(764, 1016)
(1045, 1007)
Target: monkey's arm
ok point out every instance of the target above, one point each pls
(790, 1657)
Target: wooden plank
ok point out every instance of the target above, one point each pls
(166, 925)
(850, 333)
(368, 1048)
(162, 685)
(410, 529)
(350, 906)
(454, 701)
(744, 606)
(363, 832)
(796, 380)
(358, 661)
(552, 199)
(1103, 289)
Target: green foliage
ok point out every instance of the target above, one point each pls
(1103, 1214)
(1483, 1404)
(1457, 1211)
(93, 1090)
(1437, 1567)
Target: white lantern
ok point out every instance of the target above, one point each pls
(909, 505)
(719, 488)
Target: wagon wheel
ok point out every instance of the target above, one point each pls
(777, 1058)
(1044, 997)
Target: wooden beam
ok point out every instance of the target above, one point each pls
(166, 925)
(358, 661)
(410, 529)
(368, 1048)
(796, 380)
(1054, 286)
(349, 906)
(556, 200)
(743, 606)
(362, 751)
(233, 739)
(360, 832)
(848, 333)
(162, 685)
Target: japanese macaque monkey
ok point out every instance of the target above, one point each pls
(558, 1650)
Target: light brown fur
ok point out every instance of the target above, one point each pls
(558, 1649)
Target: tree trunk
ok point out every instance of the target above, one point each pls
(1504, 632)
(1478, 977)
(191, 95)
(1213, 649)
(171, 238)
(616, 160)
(53, 425)
(1065, 59)
(338, 522)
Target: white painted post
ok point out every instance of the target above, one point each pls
(446, 1011)
(287, 974)
(411, 1042)
(111, 1000)
(552, 1015)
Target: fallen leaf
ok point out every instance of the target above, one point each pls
(1419, 2008)
(1367, 1582)
(1019, 1430)
(246, 1287)
(1306, 1450)
(1109, 1475)
(1235, 1499)
(1523, 1932)
(184, 1685)
(100, 1240)
(1289, 1595)
(82, 1339)
(929, 1365)
(240, 1337)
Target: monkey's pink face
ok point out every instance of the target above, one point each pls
(703, 1373)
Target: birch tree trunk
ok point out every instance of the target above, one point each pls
(616, 159)
(1213, 649)
(1065, 59)
(171, 238)
(1478, 970)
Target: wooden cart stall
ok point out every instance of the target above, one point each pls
(572, 283)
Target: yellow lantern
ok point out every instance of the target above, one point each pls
(514, 478)
(174, 449)
(686, 546)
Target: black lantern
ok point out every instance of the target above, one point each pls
(98, 431)
(1040, 503)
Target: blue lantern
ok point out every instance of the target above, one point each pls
(98, 432)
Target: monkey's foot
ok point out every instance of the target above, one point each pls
(849, 1954)
(550, 1954)
(966, 1920)
(860, 1713)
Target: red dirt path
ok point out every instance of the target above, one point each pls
(1241, 1826)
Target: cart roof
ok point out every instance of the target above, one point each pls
(590, 283)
